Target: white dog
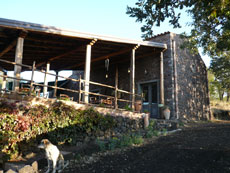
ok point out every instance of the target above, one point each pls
(53, 155)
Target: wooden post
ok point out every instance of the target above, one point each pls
(45, 89)
(18, 59)
(4, 81)
(161, 82)
(132, 78)
(116, 88)
(87, 73)
(32, 79)
(79, 96)
(56, 83)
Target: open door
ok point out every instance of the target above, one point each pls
(150, 99)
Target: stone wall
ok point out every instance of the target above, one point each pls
(193, 95)
(168, 71)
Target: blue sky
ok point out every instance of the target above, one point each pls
(105, 17)
(95, 16)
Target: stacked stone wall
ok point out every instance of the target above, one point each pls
(193, 97)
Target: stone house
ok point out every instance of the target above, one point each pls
(185, 80)
(118, 68)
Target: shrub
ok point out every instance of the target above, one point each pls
(123, 141)
(60, 123)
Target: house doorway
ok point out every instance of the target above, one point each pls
(150, 98)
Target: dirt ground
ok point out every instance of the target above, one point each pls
(200, 147)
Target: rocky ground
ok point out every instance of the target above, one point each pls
(200, 147)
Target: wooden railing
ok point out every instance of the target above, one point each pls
(80, 91)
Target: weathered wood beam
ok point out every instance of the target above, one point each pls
(56, 83)
(18, 59)
(162, 82)
(9, 47)
(127, 59)
(116, 88)
(4, 81)
(60, 56)
(87, 70)
(102, 57)
(45, 88)
(87, 73)
(132, 76)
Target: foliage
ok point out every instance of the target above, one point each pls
(64, 98)
(124, 141)
(220, 68)
(210, 20)
(127, 108)
(101, 144)
(165, 107)
(60, 123)
(102, 105)
(152, 130)
(212, 85)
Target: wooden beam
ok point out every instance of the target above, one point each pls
(45, 88)
(102, 57)
(127, 59)
(9, 47)
(79, 94)
(56, 83)
(116, 88)
(18, 59)
(4, 81)
(87, 73)
(60, 56)
(32, 79)
(162, 82)
(132, 78)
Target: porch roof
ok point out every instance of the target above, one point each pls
(65, 49)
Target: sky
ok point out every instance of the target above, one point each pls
(103, 17)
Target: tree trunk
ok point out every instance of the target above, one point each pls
(221, 95)
(228, 95)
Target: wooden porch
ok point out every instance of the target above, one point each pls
(33, 47)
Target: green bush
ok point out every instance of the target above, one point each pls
(137, 139)
(123, 141)
(152, 131)
(60, 123)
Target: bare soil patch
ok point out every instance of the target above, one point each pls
(199, 147)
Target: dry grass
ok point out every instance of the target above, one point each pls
(221, 105)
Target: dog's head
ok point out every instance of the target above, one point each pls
(44, 143)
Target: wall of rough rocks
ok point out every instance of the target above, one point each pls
(193, 94)
(193, 97)
(168, 71)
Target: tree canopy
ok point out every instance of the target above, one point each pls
(220, 67)
(210, 20)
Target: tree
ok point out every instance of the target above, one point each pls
(210, 21)
(220, 67)
(211, 85)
